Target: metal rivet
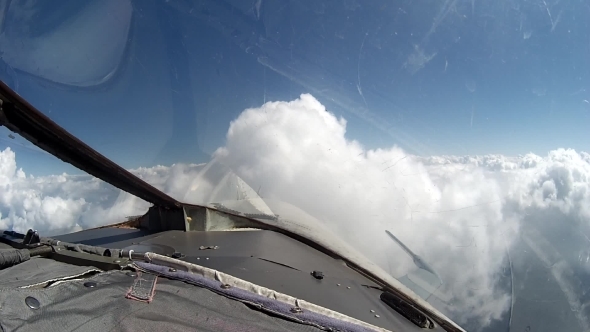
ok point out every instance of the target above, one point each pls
(296, 310)
(337, 284)
(171, 269)
(207, 258)
(131, 274)
(32, 302)
(377, 316)
(198, 258)
(117, 261)
(317, 274)
(90, 284)
(372, 310)
(348, 287)
(202, 248)
(225, 286)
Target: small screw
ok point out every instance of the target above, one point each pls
(207, 258)
(348, 287)
(225, 286)
(171, 269)
(32, 302)
(372, 310)
(337, 284)
(296, 310)
(377, 316)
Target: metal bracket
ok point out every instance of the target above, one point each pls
(84, 259)
(208, 247)
(32, 237)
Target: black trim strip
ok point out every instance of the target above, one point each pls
(21, 117)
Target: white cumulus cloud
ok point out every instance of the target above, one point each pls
(459, 213)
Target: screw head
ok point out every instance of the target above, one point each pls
(225, 286)
(32, 303)
(171, 269)
(90, 284)
(296, 310)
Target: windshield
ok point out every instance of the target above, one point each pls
(460, 127)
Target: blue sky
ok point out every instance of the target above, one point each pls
(462, 77)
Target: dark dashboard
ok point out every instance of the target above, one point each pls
(266, 258)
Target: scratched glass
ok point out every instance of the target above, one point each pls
(460, 127)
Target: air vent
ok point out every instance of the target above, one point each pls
(407, 310)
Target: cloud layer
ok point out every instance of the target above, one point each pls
(461, 214)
